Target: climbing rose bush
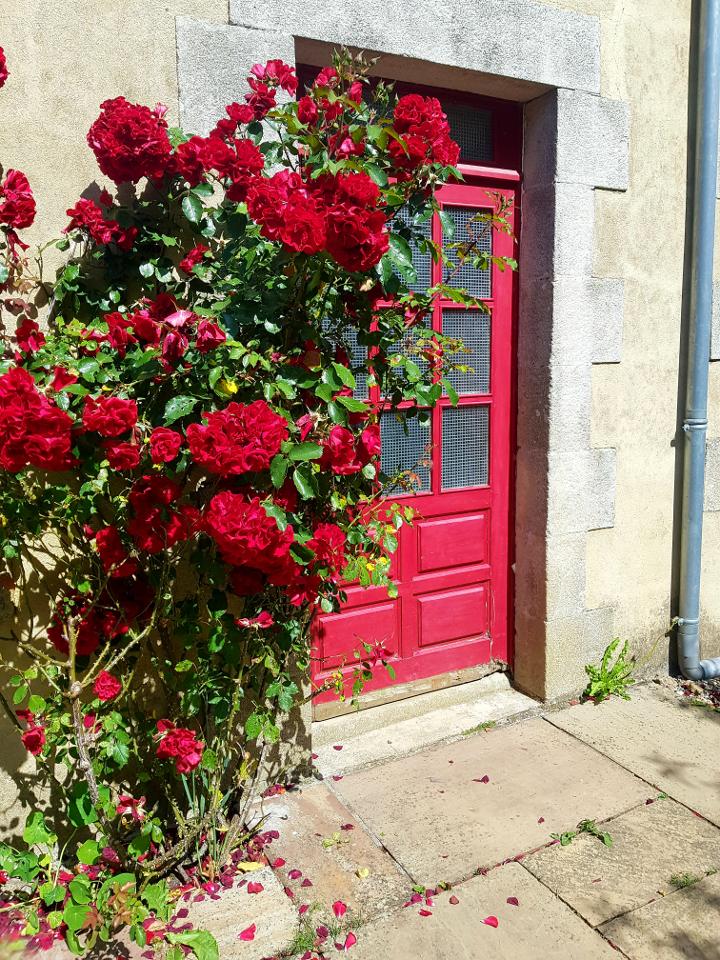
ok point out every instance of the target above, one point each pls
(191, 469)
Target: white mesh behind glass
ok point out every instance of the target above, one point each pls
(473, 328)
(465, 447)
(406, 446)
(476, 282)
(421, 261)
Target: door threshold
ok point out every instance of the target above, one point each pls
(403, 691)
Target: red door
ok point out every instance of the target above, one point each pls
(452, 566)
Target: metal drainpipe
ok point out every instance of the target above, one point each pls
(706, 106)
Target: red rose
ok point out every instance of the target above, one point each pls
(240, 113)
(29, 337)
(238, 439)
(276, 73)
(3, 68)
(17, 204)
(122, 455)
(33, 431)
(34, 740)
(261, 100)
(328, 545)
(119, 335)
(209, 336)
(355, 92)
(130, 141)
(113, 555)
(286, 211)
(339, 453)
(164, 444)
(96, 623)
(356, 238)
(86, 215)
(369, 444)
(307, 111)
(246, 535)
(62, 378)
(193, 257)
(425, 132)
(106, 686)
(157, 524)
(179, 744)
(328, 77)
(109, 416)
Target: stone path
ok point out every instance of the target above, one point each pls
(473, 820)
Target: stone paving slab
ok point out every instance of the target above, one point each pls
(306, 817)
(440, 824)
(684, 925)
(650, 845)
(668, 743)
(235, 910)
(541, 927)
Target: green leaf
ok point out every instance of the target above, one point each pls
(146, 269)
(75, 914)
(303, 484)
(20, 693)
(451, 392)
(80, 889)
(155, 896)
(253, 726)
(202, 190)
(88, 852)
(179, 407)
(80, 808)
(402, 256)
(306, 450)
(278, 470)
(209, 760)
(345, 375)
(448, 224)
(201, 942)
(36, 831)
(36, 704)
(377, 174)
(352, 404)
(4, 273)
(192, 207)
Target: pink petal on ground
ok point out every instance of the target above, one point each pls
(306, 883)
(295, 874)
(288, 892)
(322, 933)
(278, 863)
(425, 913)
(350, 940)
(303, 909)
(337, 776)
(339, 908)
(347, 826)
(513, 901)
(313, 756)
(454, 900)
(491, 921)
(248, 933)
(541, 820)
(337, 746)
(255, 888)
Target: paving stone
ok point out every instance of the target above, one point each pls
(234, 910)
(539, 927)
(312, 814)
(670, 744)
(650, 845)
(684, 925)
(440, 824)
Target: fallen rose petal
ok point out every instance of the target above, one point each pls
(350, 941)
(347, 826)
(313, 756)
(425, 913)
(513, 901)
(255, 888)
(295, 874)
(337, 746)
(491, 921)
(337, 776)
(541, 820)
(339, 909)
(288, 892)
(278, 863)
(322, 932)
(248, 933)
(306, 883)
(303, 909)
(454, 900)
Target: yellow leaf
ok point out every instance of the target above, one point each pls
(363, 872)
(248, 866)
(228, 387)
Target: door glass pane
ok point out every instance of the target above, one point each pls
(471, 129)
(421, 261)
(346, 338)
(465, 448)
(468, 230)
(410, 347)
(406, 446)
(473, 328)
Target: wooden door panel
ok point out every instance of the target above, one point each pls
(451, 615)
(452, 542)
